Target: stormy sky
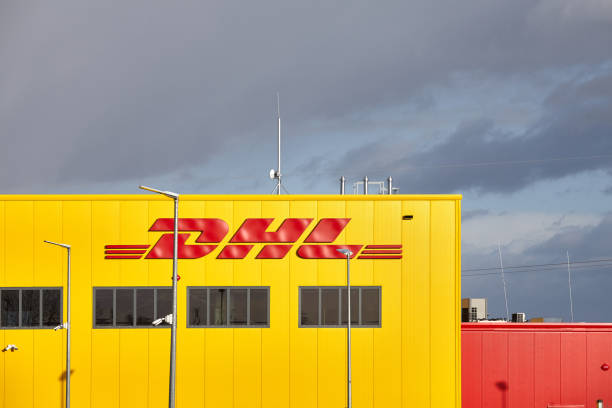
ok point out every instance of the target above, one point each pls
(506, 102)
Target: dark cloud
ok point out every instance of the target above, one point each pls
(544, 290)
(572, 136)
(581, 242)
(115, 90)
(545, 293)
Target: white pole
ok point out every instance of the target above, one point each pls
(569, 282)
(349, 395)
(279, 144)
(501, 263)
(68, 328)
(67, 325)
(348, 291)
(174, 315)
(175, 197)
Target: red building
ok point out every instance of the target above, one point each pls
(512, 365)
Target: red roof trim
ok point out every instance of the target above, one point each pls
(561, 327)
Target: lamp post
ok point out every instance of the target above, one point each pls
(348, 255)
(67, 324)
(175, 197)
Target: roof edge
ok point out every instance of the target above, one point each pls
(229, 197)
(559, 327)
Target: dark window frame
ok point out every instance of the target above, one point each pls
(341, 303)
(228, 325)
(134, 306)
(40, 307)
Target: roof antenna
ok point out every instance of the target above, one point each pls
(501, 264)
(569, 282)
(276, 174)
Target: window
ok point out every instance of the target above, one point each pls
(326, 306)
(131, 306)
(354, 305)
(309, 306)
(145, 306)
(330, 307)
(235, 306)
(469, 314)
(465, 314)
(30, 307)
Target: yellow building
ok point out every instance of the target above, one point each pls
(260, 311)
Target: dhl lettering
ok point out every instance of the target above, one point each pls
(164, 248)
(273, 251)
(254, 230)
(327, 230)
(213, 231)
(234, 251)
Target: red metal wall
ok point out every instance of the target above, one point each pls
(535, 365)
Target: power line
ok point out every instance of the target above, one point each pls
(541, 269)
(475, 164)
(497, 268)
(513, 162)
(586, 268)
(214, 178)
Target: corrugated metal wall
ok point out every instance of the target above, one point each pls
(535, 365)
(412, 360)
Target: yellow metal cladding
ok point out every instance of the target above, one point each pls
(412, 360)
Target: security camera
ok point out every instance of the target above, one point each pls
(61, 326)
(167, 319)
(10, 347)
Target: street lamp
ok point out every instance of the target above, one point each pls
(67, 324)
(348, 255)
(175, 197)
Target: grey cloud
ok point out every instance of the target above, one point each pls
(572, 136)
(466, 215)
(582, 242)
(113, 90)
(544, 291)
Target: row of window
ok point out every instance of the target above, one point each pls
(228, 307)
(30, 307)
(131, 307)
(236, 306)
(327, 306)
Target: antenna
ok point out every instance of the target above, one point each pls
(276, 174)
(501, 264)
(569, 282)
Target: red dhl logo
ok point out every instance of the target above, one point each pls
(212, 231)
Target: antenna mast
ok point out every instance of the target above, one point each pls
(569, 282)
(276, 174)
(501, 264)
